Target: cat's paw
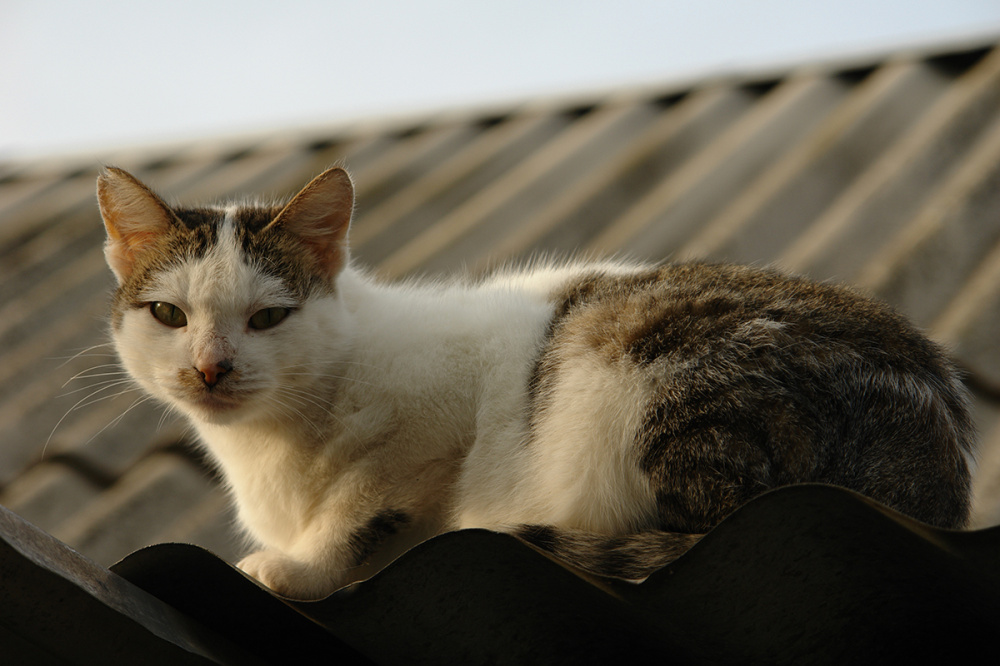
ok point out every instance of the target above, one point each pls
(287, 576)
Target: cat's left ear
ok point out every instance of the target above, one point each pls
(320, 216)
(134, 218)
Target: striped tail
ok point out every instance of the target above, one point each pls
(630, 556)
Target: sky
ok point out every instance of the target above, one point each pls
(102, 74)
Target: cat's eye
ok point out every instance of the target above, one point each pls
(267, 318)
(169, 314)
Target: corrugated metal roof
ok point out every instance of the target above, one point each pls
(884, 174)
(804, 574)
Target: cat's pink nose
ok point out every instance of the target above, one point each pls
(210, 372)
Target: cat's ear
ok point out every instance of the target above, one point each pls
(320, 215)
(133, 217)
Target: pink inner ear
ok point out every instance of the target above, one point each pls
(119, 261)
(133, 217)
(121, 253)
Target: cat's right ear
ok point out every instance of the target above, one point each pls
(133, 217)
(320, 215)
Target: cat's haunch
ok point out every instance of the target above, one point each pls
(607, 412)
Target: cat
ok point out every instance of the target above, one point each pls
(608, 413)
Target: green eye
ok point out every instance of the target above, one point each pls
(267, 318)
(169, 314)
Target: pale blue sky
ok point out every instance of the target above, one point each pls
(100, 74)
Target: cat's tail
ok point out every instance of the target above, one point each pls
(630, 556)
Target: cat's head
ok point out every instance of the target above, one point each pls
(227, 312)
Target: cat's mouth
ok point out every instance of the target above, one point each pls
(215, 401)
(208, 401)
(215, 406)
(221, 398)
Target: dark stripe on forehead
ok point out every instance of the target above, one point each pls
(255, 218)
(275, 251)
(200, 231)
(200, 218)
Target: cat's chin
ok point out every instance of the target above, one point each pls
(217, 409)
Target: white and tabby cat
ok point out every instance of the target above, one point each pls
(608, 413)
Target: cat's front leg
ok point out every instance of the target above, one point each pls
(290, 577)
(327, 557)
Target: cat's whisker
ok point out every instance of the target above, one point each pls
(292, 412)
(118, 419)
(303, 396)
(101, 388)
(327, 376)
(166, 413)
(85, 352)
(89, 400)
(82, 374)
(97, 387)
(313, 364)
(306, 405)
(100, 366)
(111, 396)
(314, 397)
(284, 406)
(101, 385)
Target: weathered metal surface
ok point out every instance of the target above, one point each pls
(56, 606)
(806, 574)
